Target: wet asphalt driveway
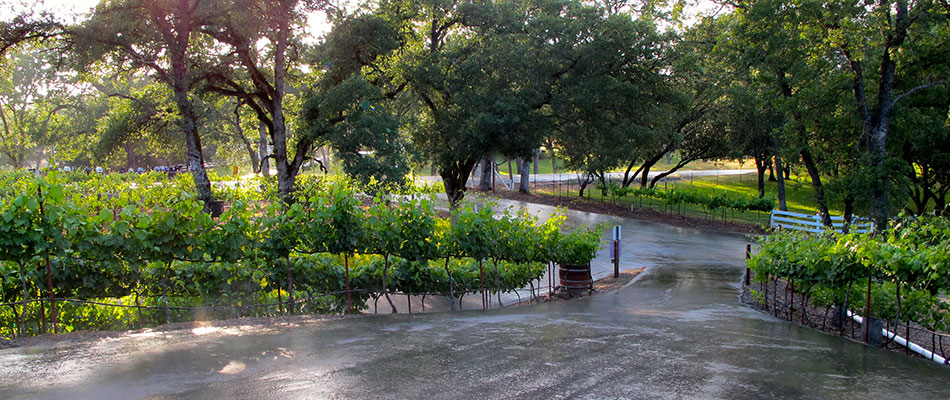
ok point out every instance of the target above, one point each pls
(677, 332)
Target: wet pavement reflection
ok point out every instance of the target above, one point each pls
(678, 332)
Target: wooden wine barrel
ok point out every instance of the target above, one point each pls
(575, 277)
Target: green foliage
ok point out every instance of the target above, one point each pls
(579, 246)
(674, 197)
(145, 240)
(911, 258)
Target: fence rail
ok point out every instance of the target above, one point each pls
(812, 222)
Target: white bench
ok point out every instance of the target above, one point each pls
(812, 223)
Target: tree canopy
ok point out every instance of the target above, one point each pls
(853, 93)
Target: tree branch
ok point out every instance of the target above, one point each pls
(921, 87)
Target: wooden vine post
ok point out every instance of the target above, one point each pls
(349, 299)
(49, 269)
(748, 255)
(867, 314)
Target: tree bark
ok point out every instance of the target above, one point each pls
(777, 162)
(649, 163)
(848, 212)
(269, 90)
(761, 165)
(588, 179)
(254, 156)
(816, 183)
(876, 122)
(264, 167)
(454, 177)
(525, 178)
(286, 173)
(487, 169)
(178, 38)
(879, 186)
(325, 157)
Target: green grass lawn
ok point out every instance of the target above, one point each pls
(545, 166)
(798, 193)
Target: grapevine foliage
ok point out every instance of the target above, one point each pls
(908, 267)
(145, 240)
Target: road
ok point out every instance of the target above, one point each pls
(678, 331)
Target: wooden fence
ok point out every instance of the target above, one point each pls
(812, 222)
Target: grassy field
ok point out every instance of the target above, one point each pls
(799, 196)
(545, 165)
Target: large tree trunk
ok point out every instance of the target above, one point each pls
(262, 150)
(270, 95)
(877, 122)
(487, 169)
(325, 157)
(777, 162)
(454, 177)
(177, 34)
(848, 212)
(254, 156)
(761, 165)
(588, 179)
(187, 117)
(627, 178)
(255, 160)
(816, 183)
(13, 152)
(525, 167)
(195, 158)
(879, 185)
(131, 160)
(286, 173)
(650, 162)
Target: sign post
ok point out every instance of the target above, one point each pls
(615, 251)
